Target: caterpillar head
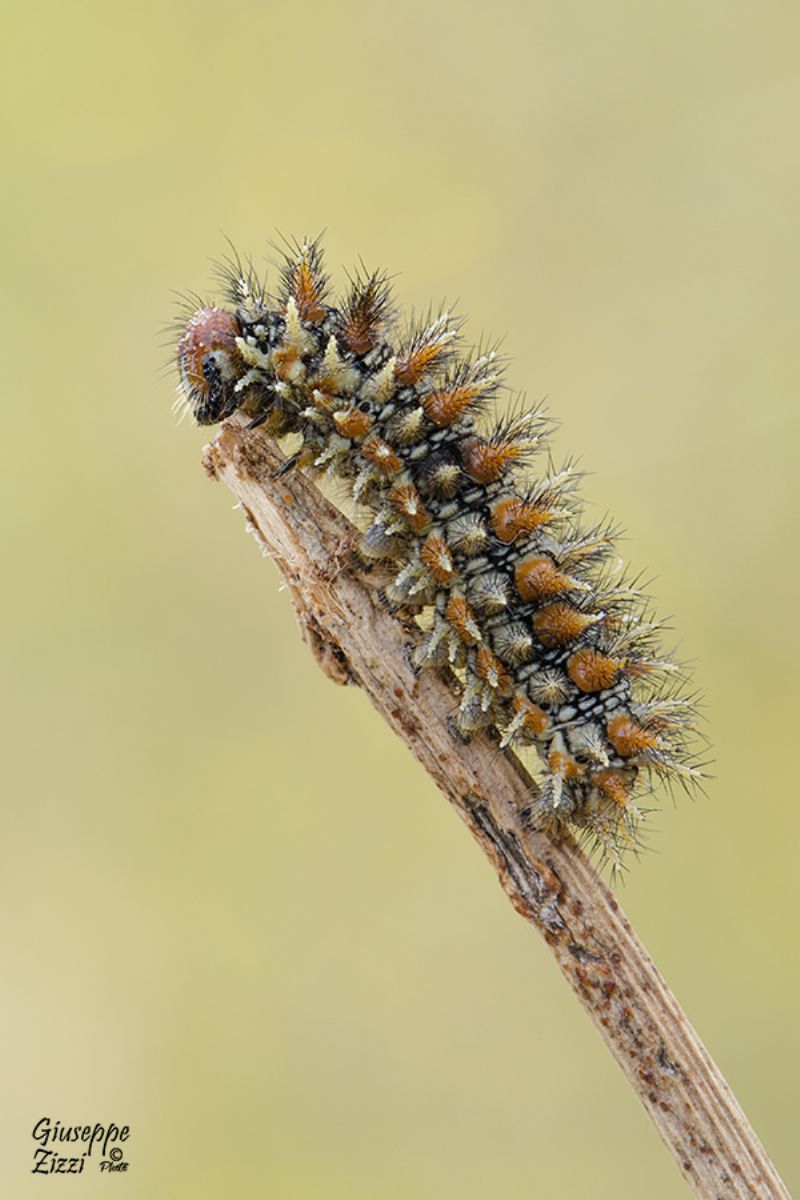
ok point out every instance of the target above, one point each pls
(209, 364)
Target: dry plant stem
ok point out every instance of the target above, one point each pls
(549, 881)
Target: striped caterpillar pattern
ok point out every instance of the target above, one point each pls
(554, 646)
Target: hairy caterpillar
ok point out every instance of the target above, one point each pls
(554, 646)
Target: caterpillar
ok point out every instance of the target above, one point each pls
(554, 645)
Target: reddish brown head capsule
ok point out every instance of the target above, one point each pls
(208, 362)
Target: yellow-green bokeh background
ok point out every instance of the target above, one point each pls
(236, 915)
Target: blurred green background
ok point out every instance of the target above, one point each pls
(237, 916)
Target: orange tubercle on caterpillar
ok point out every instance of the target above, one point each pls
(462, 619)
(306, 283)
(492, 672)
(287, 363)
(352, 423)
(537, 577)
(513, 516)
(365, 311)
(377, 451)
(443, 407)
(628, 737)
(427, 350)
(436, 556)
(535, 720)
(407, 502)
(485, 461)
(307, 293)
(614, 786)
(563, 764)
(561, 623)
(592, 671)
